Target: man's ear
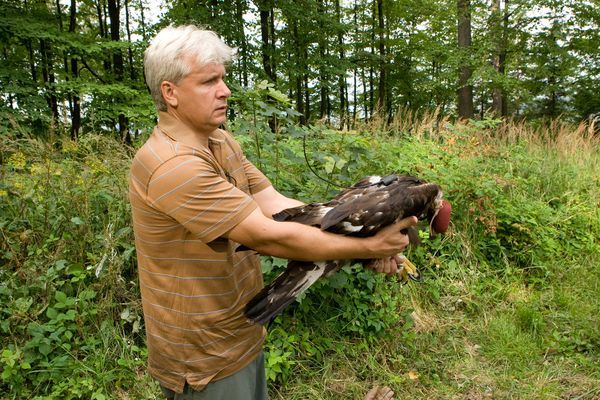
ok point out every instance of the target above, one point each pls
(168, 93)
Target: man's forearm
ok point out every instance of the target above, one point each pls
(271, 201)
(300, 242)
(304, 243)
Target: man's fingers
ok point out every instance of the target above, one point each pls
(399, 258)
(388, 266)
(405, 223)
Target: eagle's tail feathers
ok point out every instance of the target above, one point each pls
(273, 298)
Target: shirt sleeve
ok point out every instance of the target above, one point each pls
(189, 190)
(257, 181)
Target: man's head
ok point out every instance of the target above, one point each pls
(172, 52)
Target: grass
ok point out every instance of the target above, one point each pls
(502, 348)
(527, 330)
(508, 310)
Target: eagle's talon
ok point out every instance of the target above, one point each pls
(410, 271)
(417, 277)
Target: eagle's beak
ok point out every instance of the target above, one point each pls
(437, 206)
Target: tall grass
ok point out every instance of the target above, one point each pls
(509, 307)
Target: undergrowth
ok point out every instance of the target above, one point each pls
(508, 309)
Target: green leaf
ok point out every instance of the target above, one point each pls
(45, 348)
(51, 313)
(75, 269)
(77, 221)
(279, 96)
(330, 164)
(125, 314)
(70, 315)
(279, 262)
(338, 280)
(60, 296)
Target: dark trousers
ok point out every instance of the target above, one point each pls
(250, 383)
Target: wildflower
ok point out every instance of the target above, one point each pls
(69, 146)
(17, 160)
(37, 169)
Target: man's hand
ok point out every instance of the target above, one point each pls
(388, 265)
(390, 240)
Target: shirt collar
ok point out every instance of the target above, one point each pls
(180, 132)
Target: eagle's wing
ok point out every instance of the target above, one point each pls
(361, 216)
(308, 214)
(283, 290)
(367, 212)
(363, 186)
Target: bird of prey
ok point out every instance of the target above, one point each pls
(361, 210)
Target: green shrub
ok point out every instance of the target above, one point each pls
(524, 216)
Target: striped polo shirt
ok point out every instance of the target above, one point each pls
(194, 286)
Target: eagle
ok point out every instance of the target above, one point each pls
(361, 210)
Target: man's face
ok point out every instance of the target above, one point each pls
(201, 97)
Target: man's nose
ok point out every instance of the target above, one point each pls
(224, 91)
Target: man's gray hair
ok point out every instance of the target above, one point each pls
(165, 57)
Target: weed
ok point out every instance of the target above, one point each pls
(508, 308)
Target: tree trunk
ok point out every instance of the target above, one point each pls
(307, 98)
(365, 94)
(76, 106)
(272, 44)
(371, 91)
(102, 29)
(298, 76)
(114, 8)
(142, 20)
(465, 90)
(48, 77)
(323, 76)
(132, 73)
(382, 91)
(342, 77)
(66, 60)
(266, 36)
(32, 65)
(502, 58)
(499, 30)
(239, 9)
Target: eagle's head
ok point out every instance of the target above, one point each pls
(439, 215)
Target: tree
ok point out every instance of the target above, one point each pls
(114, 11)
(75, 66)
(74, 99)
(499, 28)
(382, 102)
(267, 33)
(465, 89)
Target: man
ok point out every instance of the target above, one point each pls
(194, 198)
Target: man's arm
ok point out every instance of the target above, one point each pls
(292, 240)
(271, 201)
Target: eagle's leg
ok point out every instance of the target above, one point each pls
(407, 271)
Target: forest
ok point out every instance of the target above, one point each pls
(77, 66)
(495, 100)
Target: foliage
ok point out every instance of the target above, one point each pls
(509, 299)
(78, 69)
(70, 311)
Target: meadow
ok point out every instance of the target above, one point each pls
(508, 309)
